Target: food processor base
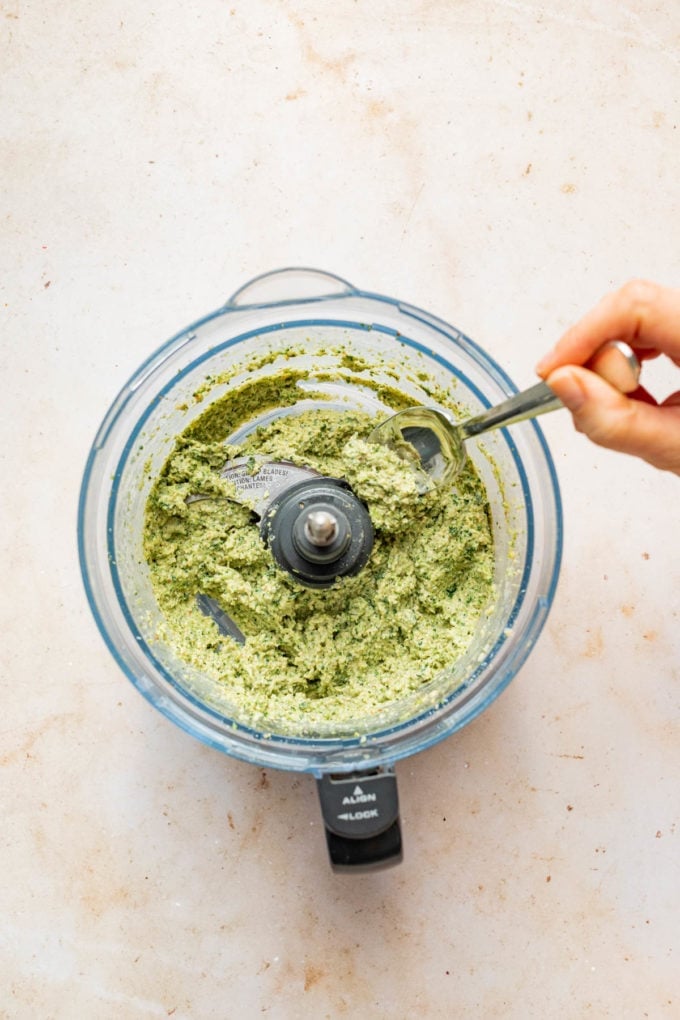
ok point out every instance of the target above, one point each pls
(361, 814)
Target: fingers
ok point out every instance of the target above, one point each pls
(645, 315)
(613, 420)
(672, 401)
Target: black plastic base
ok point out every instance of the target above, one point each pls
(372, 854)
(361, 814)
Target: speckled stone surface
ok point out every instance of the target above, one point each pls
(502, 165)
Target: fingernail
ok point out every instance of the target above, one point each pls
(567, 386)
(543, 366)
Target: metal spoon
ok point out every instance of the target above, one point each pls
(433, 441)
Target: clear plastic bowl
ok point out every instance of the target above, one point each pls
(316, 310)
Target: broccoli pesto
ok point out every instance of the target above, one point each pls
(313, 656)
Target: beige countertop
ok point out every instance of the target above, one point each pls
(502, 165)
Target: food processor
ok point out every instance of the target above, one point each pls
(302, 319)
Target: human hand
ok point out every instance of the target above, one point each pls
(647, 317)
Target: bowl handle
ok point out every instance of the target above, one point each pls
(297, 283)
(361, 814)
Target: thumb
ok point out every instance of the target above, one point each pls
(613, 420)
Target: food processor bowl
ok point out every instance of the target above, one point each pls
(301, 319)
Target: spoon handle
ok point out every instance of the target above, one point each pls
(614, 361)
(529, 403)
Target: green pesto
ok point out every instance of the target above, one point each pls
(314, 656)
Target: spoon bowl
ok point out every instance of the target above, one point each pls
(433, 443)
